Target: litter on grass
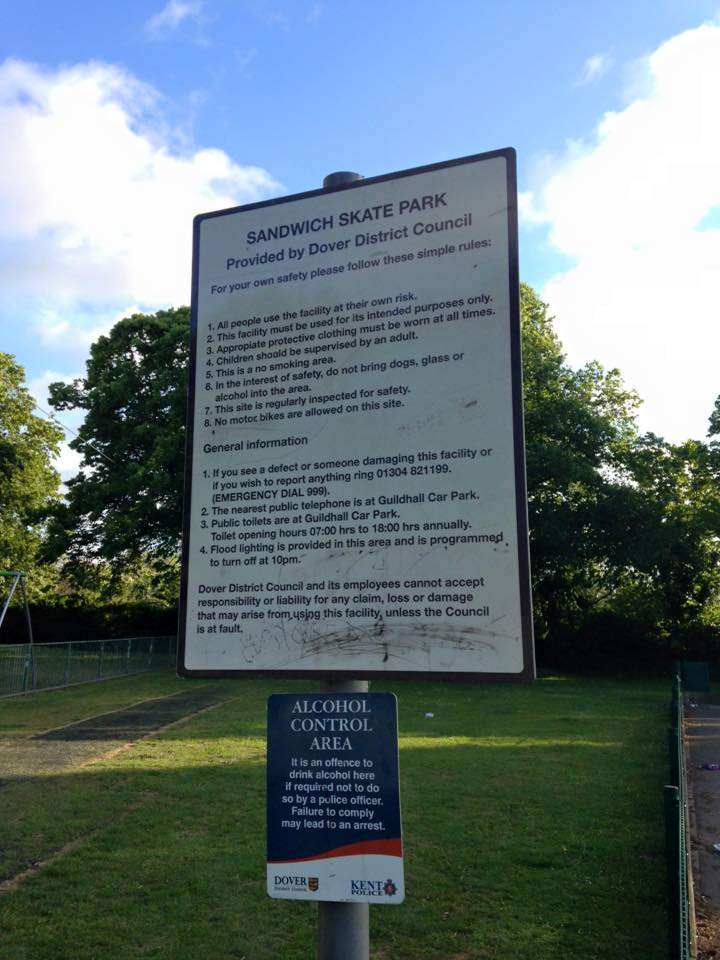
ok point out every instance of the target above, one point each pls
(429, 714)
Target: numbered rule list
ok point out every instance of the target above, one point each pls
(354, 475)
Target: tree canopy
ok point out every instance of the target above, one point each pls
(624, 528)
(126, 501)
(28, 482)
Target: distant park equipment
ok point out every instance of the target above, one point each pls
(16, 579)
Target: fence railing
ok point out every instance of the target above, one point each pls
(25, 667)
(677, 834)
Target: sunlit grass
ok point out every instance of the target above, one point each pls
(532, 819)
(500, 743)
(29, 714)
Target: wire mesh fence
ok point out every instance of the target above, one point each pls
(677, 835)
(25, 667)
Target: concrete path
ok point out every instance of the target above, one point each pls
(702, 732)
(76, 744)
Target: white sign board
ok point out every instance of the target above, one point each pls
(355, 485)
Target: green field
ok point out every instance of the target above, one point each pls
(532, 817)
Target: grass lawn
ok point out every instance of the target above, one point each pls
(532, 819)
(26, 715)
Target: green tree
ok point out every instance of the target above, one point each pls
(124, 506)
(678, 529)
(580, 429)
(623, 528)
(714, 427)
(28, 481)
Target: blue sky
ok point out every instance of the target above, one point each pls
(123, 120)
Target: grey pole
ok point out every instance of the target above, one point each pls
(343, 928)
(340, 179)
(27, 609)
(13, 587)
(343, 931)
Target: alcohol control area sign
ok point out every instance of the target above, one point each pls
(355, 481)
(333, 802)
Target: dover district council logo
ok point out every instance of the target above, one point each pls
(389, 889)
(313, 884)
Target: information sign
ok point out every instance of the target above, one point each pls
(355, 487)
(333, 802)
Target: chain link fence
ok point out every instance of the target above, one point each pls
(25, 667)
(682, 945)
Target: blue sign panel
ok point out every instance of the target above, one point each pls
(333, 798)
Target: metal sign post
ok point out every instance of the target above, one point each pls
(334, 825)
(334, 830)
(355, 500)
(343, 931)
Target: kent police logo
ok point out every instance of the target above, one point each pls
(389, 889)
(313, 884)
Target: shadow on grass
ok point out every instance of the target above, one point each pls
(540, 837)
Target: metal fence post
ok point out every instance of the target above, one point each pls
(672, 831)
(674, 756)
(26, 669)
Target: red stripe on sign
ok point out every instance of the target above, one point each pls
(387, 848)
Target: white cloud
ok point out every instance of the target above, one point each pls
(628, 209)
(57, 326)
(172, 15)
(68, 463)
(96, 195)
(593, 69)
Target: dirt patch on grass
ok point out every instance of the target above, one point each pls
(77, 744)
(12, 883)
(45, 756)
